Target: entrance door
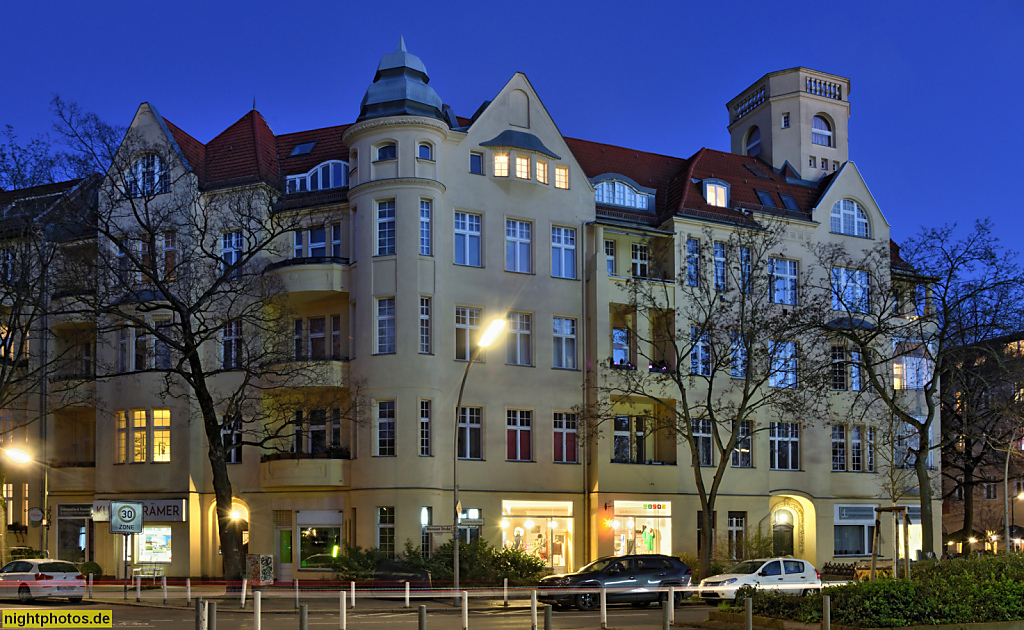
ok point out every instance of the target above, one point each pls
(284, 555)
(782, 539)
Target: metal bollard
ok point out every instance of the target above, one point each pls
(211, 616)
(533, 610)
(547, 617)
(304, 617)
(671, 604)
(90, 586)
(604, 608)
(748, 613)
(465, 610)
(406, 594)
(163, 586)
(138, 588)
(353, 594)
(257, 612)
(296, 593)
(423, 618)
(826, 612)
(342, 613)
(245, 583)
(666, 607)
(504, 592)
(188, 591)
(199, 613)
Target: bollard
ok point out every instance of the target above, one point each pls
(604, 608)
(296, 593)
(138, 588)
(672, 604)
(547, 617)
(353, 594)
(533, 610)
(666, 608)
(826, 612)
(423, 618)
(748, 613)
(504, 592)
(199, 614)
(465, 610)
(406, 594)
(245, 583)
(257, 612)
(163, 586)
(342, 614)
(211, 616)
(90, 586)
(188, 591)
(304, 617)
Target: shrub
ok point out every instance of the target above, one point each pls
(90, 567)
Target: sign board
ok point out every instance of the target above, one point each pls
(35, 515)
(437, 529)
(162, 511)
(642, 508)
(74, 510)
(260, 569)
(471, 522)
(125, 517)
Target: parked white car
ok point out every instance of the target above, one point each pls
(30, 579)
(796, 577)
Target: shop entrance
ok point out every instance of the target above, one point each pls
(642, 527)
(284, 555)
(541, 528)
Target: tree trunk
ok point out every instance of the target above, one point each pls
(707, 517)
(924, 482)
(4, 553)
(968, 510)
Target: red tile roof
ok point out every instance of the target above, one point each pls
(244, 152)
(193, 150)
(328, 147)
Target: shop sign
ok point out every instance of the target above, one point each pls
(74, 510)
(165, 511)
(642, 508)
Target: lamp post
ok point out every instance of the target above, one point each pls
(22, 457)
(490, 334)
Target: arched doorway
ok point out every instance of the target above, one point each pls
(238, 528)
(782, 533)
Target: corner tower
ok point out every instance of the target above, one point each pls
(400, 88)
(799, 116)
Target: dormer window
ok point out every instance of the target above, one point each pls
(147, 176)
(425, 151)
(303, 148)
(716, 192)
(620, 194)
(331, 174)
(387, 152)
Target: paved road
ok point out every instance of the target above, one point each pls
(230, 618)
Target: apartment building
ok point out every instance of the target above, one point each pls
(410, 229)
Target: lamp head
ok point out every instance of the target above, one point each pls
(18, 455)
(493, 330)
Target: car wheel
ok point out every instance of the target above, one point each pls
(808, 591)
(75, 600)
(24, 595)
(679, 598)
(586, 601)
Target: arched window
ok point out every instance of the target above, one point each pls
(330, 174)
(849, 218)
(425, 151)
(620, 194)
(821, 132)
(148, 176)
(387, 152)
(753, 148)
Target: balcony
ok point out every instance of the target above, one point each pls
(72, 477)
(314, 276)
(302, 374)
(73, 389)
(291, 470)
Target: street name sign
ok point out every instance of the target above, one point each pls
(437, 529)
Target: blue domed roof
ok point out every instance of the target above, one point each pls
(400, 89)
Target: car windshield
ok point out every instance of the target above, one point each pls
(750, 566)
(598, 565)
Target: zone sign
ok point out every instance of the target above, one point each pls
(125, 517)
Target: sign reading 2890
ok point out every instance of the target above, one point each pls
(125, 517)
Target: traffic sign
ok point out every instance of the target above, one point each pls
(125, 517)
(437, 529)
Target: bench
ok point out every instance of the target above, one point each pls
(148, 571)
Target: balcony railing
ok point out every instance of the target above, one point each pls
(340, 452)
(308, 260)
(828, 89)
(750, 103)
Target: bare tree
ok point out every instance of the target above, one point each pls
(722, 351)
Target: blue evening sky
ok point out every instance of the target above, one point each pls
(935, 85)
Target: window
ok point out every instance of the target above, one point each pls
(386, 531)
(298, 345)
(424, 151)
(563, 252)
(231, 436)
(737, 532)
(470, 426)
(517, 246)
(542, 171)
(387, 152)
(425, 241)
(716, 194)
(621, 349)
(9, 500)
(783, 364)
(753, 142)
(426, 518)
(745, 269)
(742, 455)
(385, 446)
(838, 447)
(303, 148)
(821, 132)
(784, 446)
(692, 262)
(323, 176)
(856, 448)
(562, 177)
(812, 161)
(700, 352)
(912, 365)
(121, 445)
(628, 440)
(856, 380)
(336, 240)
(720, 277)
(564, 343)
(317, 338)
(231, 342)
(519, 339)
(231, 254)
(789, 201)
(161, 435)
(476, 163)
(824, 164)
(386, 227)
(609, 256)
(702, 440)
(467, 239)
(620, 194)
(565, 438)
(518, 435)
(147, 177)
(140, 430)
(849, 218)
(639, 260)
(141, 354)
(467, 331)
(738, 354)
(782, 280)
(870, 431)
(765, 198)
(425, 333)
(170, 260)
(523, 166)
(425, 415)
(501, 164)
(785, 120)
(990, 491)
(385, 326)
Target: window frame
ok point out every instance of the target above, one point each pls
(784, 437)
(385, 443)
(470, 427)
(426, 345)
(385, 220)
(693, 262)
(472, 240)
(430, 151)
(386, 152)
(426, 216)
(500, 164)
(518, 246)
(563, 251)
(519, 435)
(561, 177)
(565, 424)
(564, 343)
(784, 281)
(822, 134)
(519, 339)
(386, 325)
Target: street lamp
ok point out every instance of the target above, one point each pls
(490, 335)
(19, 456)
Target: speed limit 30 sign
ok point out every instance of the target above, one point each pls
(125, 517)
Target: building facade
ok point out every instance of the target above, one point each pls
(413, 228)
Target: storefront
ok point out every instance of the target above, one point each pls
(75, 534)
(642, 527)
(154, 547)
(541, 528)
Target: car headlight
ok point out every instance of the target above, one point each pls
(729, 581)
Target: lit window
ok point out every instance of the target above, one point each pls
(161, 435)
(386, 326)
(385, 228)
(851, 290)
(501, 164)
(523, 166)
(784, 446)
(716, 194)
(467, 239)
(783, 358)
(476, 163)
(565, 343)
(565, 438)
(425, 211)
(821, 132)
(147, 177)
(425, 152)
(519, 339)
(562, 177)
(849, 218)
(542, 171)
(753, 148)
(563, 252)
(469, 433)
(517, 246)
(385, 444)
(139, 434)
(387, 152)
(912, 365)
(519, 424)
(121, 446)
(425, 333)
(323, 176)
(782, 280)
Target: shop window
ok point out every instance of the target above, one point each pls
(641, 527)
(154, 545)
(319, 545)
(543, 529)
(468, 533)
